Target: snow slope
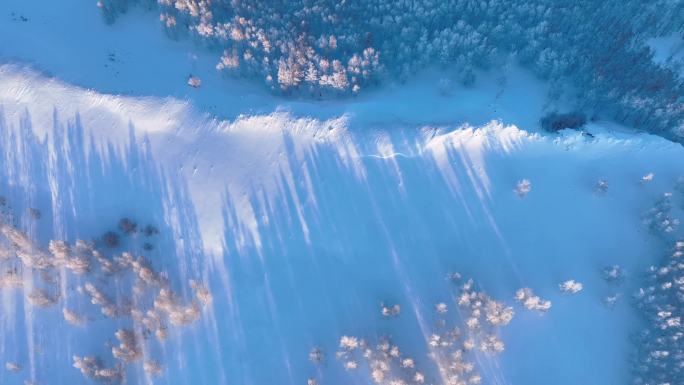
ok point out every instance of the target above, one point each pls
(303, 226)
(302, 217)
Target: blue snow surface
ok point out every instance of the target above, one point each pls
(303, 218)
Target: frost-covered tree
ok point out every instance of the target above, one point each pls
(530, 301)
(571, 287)
(523, 187)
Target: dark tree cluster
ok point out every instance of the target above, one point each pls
(128, 227)
(555, 121)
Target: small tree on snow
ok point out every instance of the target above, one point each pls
(601, 186)
(647, 178)
(523, 188)
(570, 287)
(194, 81)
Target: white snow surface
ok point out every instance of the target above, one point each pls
(303, 226)
(303, 217)
(668, 50)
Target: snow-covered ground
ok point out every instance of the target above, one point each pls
(303, 217)
(668, 50)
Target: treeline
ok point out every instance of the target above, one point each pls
(591, 51)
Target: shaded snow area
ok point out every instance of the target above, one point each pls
(669, 51)
(281, 248)
(162, 222)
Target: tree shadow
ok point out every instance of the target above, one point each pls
(333, 245)
(82, 187)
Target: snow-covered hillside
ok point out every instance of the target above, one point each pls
(155, 232)
(302, 227)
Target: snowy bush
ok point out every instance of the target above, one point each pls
(570, 287)
(389, 311)
(72, 317)
(647, 178)
(93, 368)
(613, 274)
(530, 301)
(152, 368)
(523, 188)
(42, 298)
(611, 300)
(601, 186)
(316, 355)
(194, 81)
